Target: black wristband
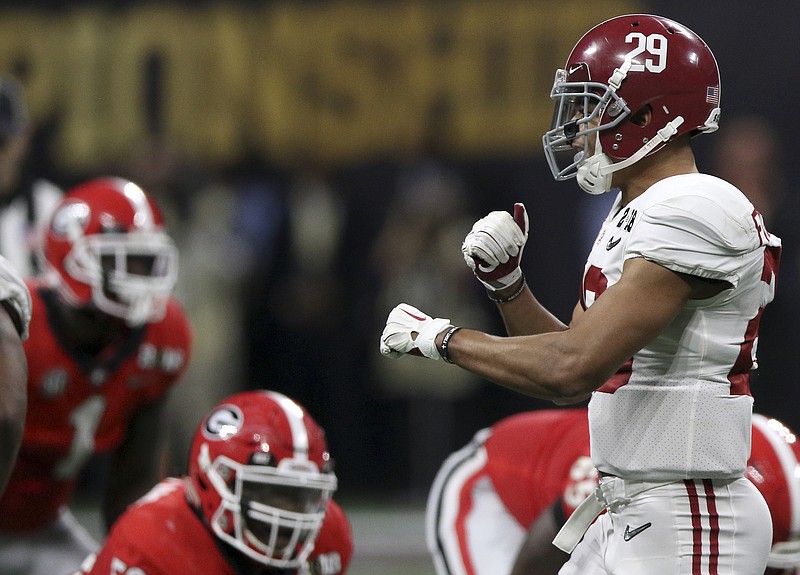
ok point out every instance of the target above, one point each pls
(512, 297)
(446, 342)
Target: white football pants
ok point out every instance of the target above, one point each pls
(692, 527)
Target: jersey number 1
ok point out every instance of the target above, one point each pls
(85, 419)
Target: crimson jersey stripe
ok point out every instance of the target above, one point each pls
(622, 377)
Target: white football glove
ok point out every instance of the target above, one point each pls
(493, 248)
(396, 339)
(15, 296)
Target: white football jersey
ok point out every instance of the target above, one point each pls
(21, 238)
(681, 407)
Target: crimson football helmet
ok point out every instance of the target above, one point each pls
(774, 469)
(106, 246)
(263, 476)
(620, 68)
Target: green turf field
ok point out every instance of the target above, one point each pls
(389, 541)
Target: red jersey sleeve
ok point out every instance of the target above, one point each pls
(539, 457)
(159, 535)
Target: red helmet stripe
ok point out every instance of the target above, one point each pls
(295, 416)
(143, 218)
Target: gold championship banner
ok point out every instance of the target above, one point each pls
(336, 82)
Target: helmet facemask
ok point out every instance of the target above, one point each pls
(131, 274)
(271, 514)
(606, 111)
(579, 108)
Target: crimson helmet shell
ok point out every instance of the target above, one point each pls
(624, 65)
(672, 70)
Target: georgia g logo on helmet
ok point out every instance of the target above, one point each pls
(223, 422)
(70, 220)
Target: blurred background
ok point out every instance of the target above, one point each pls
(320, 161)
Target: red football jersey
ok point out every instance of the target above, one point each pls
(558, 467)
(79, 406)
(162, 535)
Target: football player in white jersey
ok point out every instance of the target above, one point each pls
(496, 503)
(665, 332)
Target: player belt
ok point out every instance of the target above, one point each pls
(612, 493)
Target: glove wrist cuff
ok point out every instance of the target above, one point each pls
(426, 337)
(493, 295)
(503, 282)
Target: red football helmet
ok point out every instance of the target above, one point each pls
(623, 66)
(106, 245)
(773, 467)
(263, 476)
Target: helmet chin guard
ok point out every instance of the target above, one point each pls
(593, 175)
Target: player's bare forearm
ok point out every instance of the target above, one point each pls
(565, 366)
(526, 316)
(543, 366)
(13, 396)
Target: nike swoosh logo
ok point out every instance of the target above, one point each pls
(574, 69)
(612, 243)
(414, 316)
(631, 533)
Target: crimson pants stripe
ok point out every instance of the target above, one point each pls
(697, 527)
(713, 521)
(697, 530)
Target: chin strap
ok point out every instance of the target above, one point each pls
(594, 174)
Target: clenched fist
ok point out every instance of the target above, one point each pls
(493, 248)
(411, 331)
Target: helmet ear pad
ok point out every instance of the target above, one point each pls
(642, 117)
(635, 128)
(206, 496)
